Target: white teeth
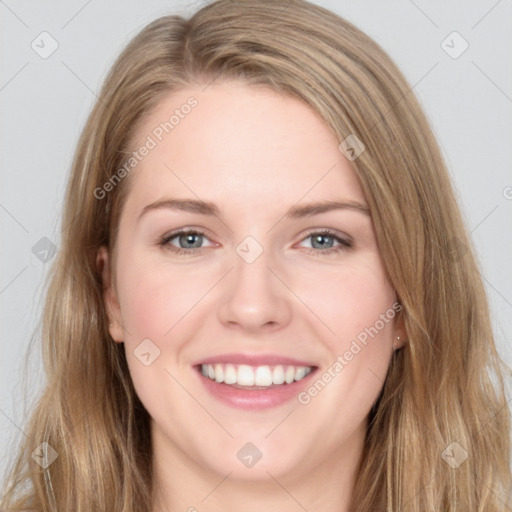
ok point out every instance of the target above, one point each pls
(262, 376)
(229, 374)
(219, 373)
(245, 375)
(278, 375)
(300, 372)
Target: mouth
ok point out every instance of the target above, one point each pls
(244, 376)
(254, 387)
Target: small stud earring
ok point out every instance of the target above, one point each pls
(395, 348)
(111, 324)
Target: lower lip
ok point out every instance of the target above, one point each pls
(255, 398)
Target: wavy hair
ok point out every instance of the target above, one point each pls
(444, 395)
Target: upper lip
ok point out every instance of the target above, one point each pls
(254, 360)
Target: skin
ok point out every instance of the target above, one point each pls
(254, 153)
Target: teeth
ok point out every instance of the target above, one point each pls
(263, 376)
(278, 375)
(245, 375)
(300, 373)
(289, 375)
(229, 374)
(219, 373)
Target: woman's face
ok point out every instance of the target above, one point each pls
(258, 290)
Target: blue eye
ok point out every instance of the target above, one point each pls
(185, 237)
(319, 238)
(192, 240)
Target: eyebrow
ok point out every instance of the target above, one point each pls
(295, 212)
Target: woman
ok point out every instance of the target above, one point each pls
(357, 372)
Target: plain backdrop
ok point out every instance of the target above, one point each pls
(45, 98)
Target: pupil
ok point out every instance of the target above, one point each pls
(321, 239)
(190, 239)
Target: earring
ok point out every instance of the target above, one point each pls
(111, 324)
(395, 348)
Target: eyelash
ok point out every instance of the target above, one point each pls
(164, 243)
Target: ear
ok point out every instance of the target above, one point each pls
(109, 296)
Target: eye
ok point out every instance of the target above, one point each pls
(321, 242)
(191, 239)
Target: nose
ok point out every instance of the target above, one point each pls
(255, 296)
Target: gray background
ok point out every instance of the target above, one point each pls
(44, 103)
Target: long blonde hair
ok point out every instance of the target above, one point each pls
(439, 434)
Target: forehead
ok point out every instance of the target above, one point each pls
(239, 144)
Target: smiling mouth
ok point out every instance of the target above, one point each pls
(254, 377)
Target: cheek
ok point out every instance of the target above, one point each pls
(357, 306)
(349, 299)
(154, 298)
